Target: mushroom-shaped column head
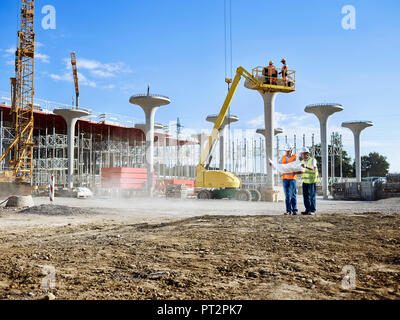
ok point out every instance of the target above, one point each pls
(71, 116)
(323, 111)
(142, 126)
(356, 127)
(276, 131)
(228, 120)
(149, 101)
(149, 104)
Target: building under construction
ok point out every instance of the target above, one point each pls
(98, 144)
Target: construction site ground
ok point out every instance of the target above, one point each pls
(191, 249)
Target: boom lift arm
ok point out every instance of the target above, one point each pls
(206, 157)
(221, 179)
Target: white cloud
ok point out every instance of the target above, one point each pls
(256, 122)
(102, 70)
(86, 82)
(69, 78)
(102, 74)
(11, 50)
(95, 69)
(65, 77)
(110, 86)
(42, 57)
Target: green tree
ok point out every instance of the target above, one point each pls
(374, 165)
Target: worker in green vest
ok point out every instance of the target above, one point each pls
(309, 178)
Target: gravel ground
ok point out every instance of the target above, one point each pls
(140, 249)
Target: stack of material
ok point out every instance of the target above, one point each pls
(187, 183)
(338, 190)
(393, 178)
(366, 190)
(124, 178)
(389, 190)
(176, 191)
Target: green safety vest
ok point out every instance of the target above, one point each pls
(310, 176)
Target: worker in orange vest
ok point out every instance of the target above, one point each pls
(284, 71)
(290, 183)
(270, 73)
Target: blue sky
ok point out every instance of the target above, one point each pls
(178, 48)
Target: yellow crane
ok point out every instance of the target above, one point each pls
(22, 93)
(76, 81)
(219, 184)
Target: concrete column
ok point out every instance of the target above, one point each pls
(277, 131)
(356, 127)
(323, 112)
(71, 116)
(269, 113)
(150, 104)
(150, 148)
(357, 156)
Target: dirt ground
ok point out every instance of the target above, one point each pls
(100, 253)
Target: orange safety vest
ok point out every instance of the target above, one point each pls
(288, 176)
(271, 70)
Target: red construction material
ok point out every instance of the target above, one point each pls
(187, 183)
(124, 178)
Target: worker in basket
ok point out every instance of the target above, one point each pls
(284, 72)
(270, 74)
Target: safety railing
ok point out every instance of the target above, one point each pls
(278, 77)
(154, 95)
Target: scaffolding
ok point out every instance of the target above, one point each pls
(98, 145)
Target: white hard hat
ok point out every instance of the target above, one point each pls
(304, 150)
(288, 147)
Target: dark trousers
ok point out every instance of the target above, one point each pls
(290, 188)
(310, 196)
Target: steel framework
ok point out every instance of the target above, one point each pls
(22, 93)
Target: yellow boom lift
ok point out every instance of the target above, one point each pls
(219, 184)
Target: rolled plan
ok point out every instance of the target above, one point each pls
(294, 166)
